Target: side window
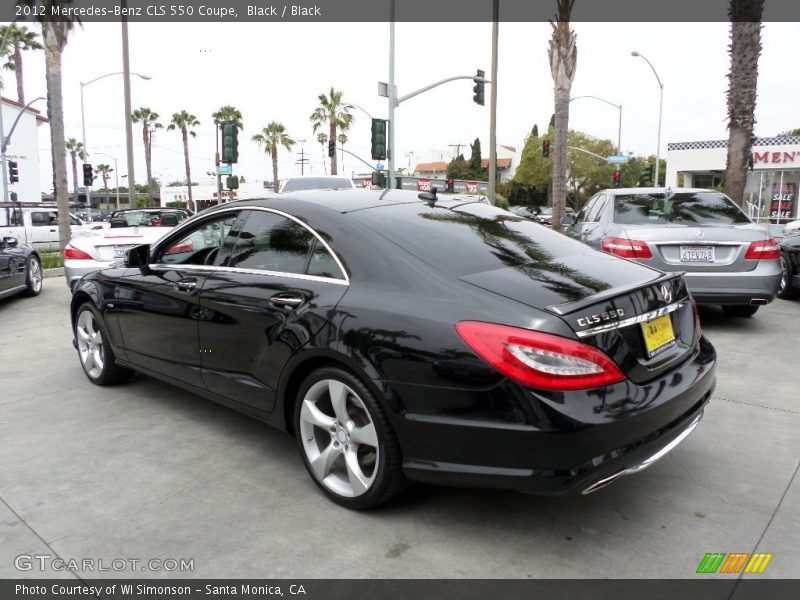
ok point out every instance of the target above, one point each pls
(322, 263)
(43, 219)
(583, 216)
(270, 242)
(597, 209)
(201, 245)
(74, 220)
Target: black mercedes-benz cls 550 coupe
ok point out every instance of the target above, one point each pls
(409, 338)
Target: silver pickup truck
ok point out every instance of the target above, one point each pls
(37, 226)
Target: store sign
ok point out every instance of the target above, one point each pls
(775, 157)
(782, 201)
(424, 185)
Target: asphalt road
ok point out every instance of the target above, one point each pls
(147, 471)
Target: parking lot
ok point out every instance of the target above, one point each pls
(147, 471)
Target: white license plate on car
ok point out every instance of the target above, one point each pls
(121, 251)
(697, 253)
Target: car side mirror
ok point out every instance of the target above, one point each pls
(567, 220)
(10, 242)
(138, 257)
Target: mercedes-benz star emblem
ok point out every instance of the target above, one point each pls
(666, 292)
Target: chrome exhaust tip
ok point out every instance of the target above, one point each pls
(759, 301)
(647, 461)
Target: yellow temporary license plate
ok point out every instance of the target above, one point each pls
(658, 335)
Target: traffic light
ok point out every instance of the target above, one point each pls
(230, 142)
(331, 148)
(232, 182)
(379, 139)
(477, 97)
(88, 175)
(616, 178)
(546, 148)
(13, 171)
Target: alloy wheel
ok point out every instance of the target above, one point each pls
(35, 276)
(339, 438)
(90, 344)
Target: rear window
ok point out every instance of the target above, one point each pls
(699, 208)
(473, 238)
(317, 183)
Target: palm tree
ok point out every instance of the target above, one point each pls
(54, 39)
(76, 150)
(322, 137)
(184, 122)
(744, 50)
(18, 38)
(149, 121)
(228, 113)
(271, 137)
(563, 55)
(342, 139)
(336, 114)
(105, 172)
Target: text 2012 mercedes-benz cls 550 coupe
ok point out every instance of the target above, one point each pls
(404, 337)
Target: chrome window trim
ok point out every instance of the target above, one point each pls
(185, 225)
(699, 242)
(648, 316)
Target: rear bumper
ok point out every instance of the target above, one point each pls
(759, 285)
(583, 440)
(75, 269)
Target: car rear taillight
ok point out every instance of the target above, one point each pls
(73, 253)
(539, 360)
(187, 247)
(625, 248)
(763, 250)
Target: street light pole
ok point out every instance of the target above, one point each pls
(660, 107)
(126, 78)
(618, 107)
(392, 97)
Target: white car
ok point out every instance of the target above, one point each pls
(317, 182)
(791, 227)
(103, 248)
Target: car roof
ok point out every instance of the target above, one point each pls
(150, 209)
(657, 190)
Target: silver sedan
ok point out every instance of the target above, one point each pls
(727, 259)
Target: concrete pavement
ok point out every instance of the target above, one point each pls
(146, 471)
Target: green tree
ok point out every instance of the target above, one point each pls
(185, 123)
(458, 168)
(563, 55)
(534, 170)
(105, 172)
(54, 39)
(149, 121)
(336, 114)
(744, 50)
(790, 133)
(272, 137)
(587, 174)
(76, 151)
(18, 39)
(535, 131)
(475, 160)
(342, 139)
(228, 113)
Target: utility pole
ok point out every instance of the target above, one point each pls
(409, 155)
(126, 79)
(217, 163)
(458, 149)
(392, 97)
(493, 103)
(302, 161)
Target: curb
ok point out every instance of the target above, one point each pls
(56, 272)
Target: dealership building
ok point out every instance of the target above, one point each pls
(772, 183)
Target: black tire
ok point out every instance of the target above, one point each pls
(34, 277)
(386, 474)
(740, 310)
(94, 351)
(786, 291)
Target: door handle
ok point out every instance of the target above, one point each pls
(286, 300)
(186, 285)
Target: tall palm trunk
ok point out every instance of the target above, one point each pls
(185, 135)
(563, 55)
(18, 72)
(55, 112)
(74, 172)
(745, 49)
(274, 167)
(148, 160)
(332, 136)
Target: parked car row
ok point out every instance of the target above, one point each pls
(20, 268)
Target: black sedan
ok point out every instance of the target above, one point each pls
(20, 269)
(404, 338)
(790, 264)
